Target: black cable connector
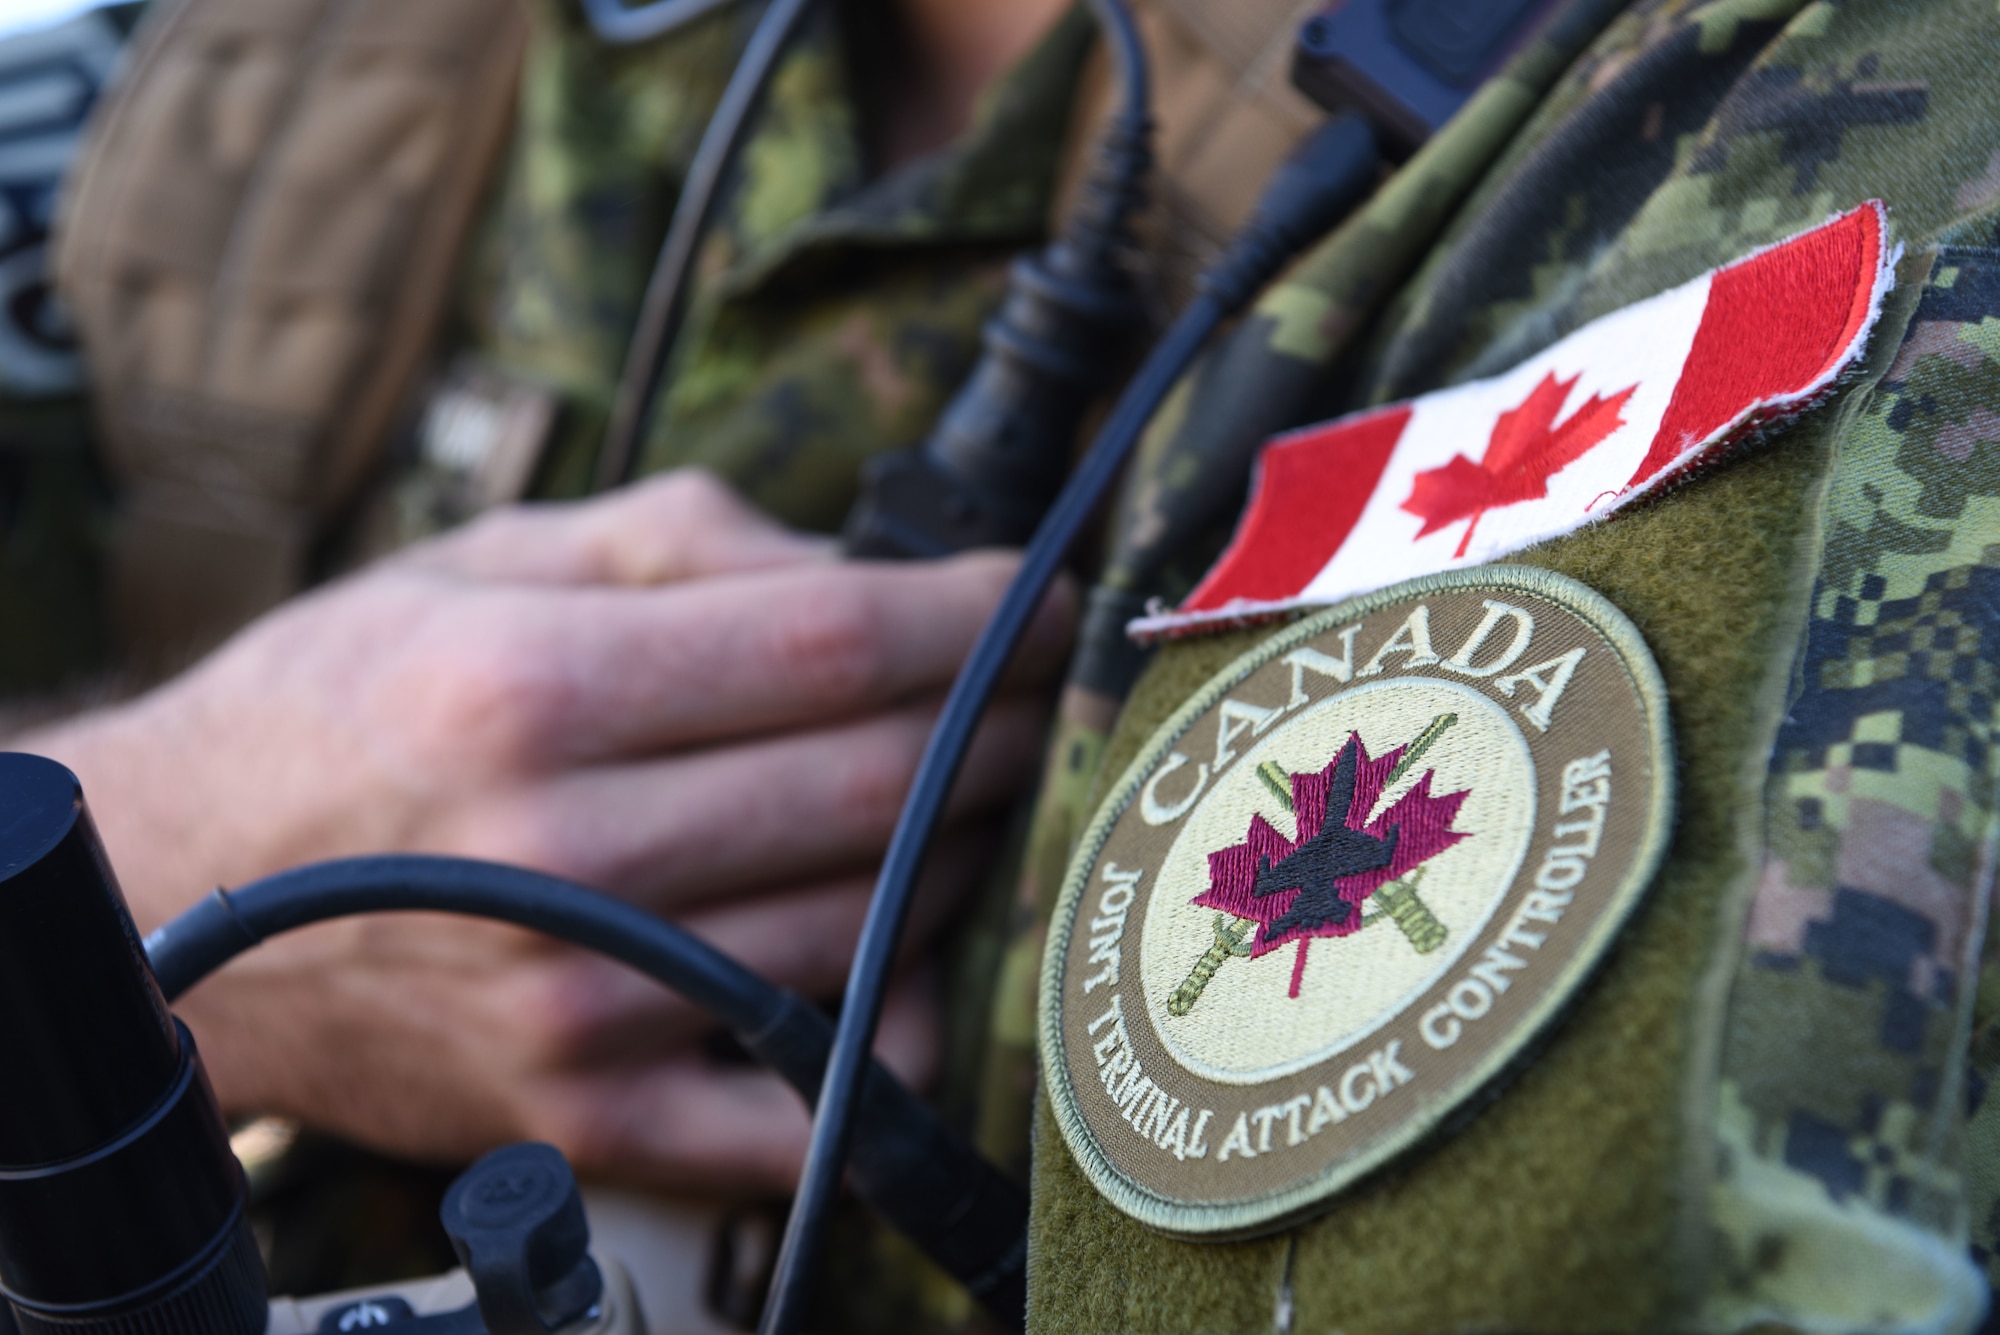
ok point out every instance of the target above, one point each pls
(998, 453)
(922, 1177)
(1332, 171)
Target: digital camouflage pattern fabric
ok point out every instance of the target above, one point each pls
(1870, 907)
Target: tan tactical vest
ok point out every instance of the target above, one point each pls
(256, 245)
(1227, 115)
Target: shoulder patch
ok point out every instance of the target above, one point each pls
(1344, 887)
(1632, 402)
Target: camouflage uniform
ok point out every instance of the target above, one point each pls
(832, 314)
(1790, 1053)
(1774, 1106)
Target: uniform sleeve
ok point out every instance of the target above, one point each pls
(1846, 1073)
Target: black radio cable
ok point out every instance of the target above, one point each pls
(995, 457)
(627, 25)
(926, 1180)
(664, 306)
(1332, 171)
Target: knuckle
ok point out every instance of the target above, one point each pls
(528, 834)
(560, 1009)
(687, 499)
(696, 489)
(660, 529)
(874, 779)
(496, 691)
(589, 1131)
(830, 644)
(502, 529)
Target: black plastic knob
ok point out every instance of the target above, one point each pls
(121, 1206)
(516, 1220)
(86, 1028)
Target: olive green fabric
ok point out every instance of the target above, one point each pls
(1180, 497)
(1009, 1073)
(1616, 1184)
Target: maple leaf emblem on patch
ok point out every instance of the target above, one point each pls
(1317, 884)
(1527, 449)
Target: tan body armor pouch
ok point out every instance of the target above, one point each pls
(1225, 114)
(256, 245)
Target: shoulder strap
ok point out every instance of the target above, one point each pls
(256, 246)
(1227, 115)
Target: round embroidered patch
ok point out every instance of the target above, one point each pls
(1344, 886)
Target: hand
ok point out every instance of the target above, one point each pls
(659, 693)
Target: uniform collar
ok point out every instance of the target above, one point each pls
(993, 184)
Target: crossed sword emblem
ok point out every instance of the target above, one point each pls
(1398, 901)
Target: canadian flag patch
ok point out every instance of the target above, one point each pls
(1630, 403)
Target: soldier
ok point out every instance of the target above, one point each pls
(237, 472)
(1661, 1006)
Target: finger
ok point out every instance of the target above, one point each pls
(691, 1125)
(612, 674)
(804, 940)
(478, 1069)
(910, 1039)
(798, 808)
(675, 526)
(683, 1124)
(577, 1009)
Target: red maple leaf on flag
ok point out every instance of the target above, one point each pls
(1313, 886)
(1525, 451)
